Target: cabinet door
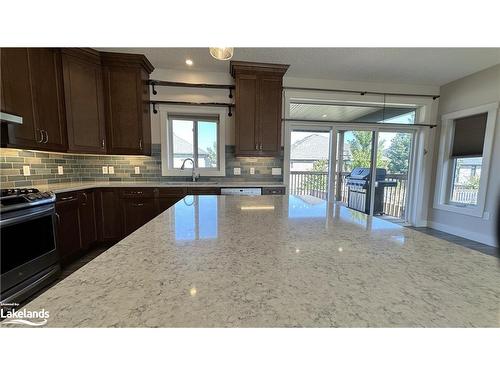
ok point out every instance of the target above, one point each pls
(137, 212)
(17, 97)
(86, 214)
(83, 94)
(246, 116)
(68, 228)
(108, 215)
(46, 78)
(270, 114)
(123, 99)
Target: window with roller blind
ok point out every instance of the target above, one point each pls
(464, 158)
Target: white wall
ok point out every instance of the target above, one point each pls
(471, 91)
(206, 95)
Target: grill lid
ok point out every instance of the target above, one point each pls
(361, 173)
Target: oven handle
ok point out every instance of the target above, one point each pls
(28, 216)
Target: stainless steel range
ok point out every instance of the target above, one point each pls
(29, 258)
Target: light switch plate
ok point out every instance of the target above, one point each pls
(111, 169)
(252, 170)
(237, 171)
(60, 169)
(104, 169)
(276, 171)
(486, 215)
(26, 170)
(137, 170)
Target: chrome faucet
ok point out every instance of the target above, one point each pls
(195, 175)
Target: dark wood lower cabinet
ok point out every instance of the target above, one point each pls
(109, 221)
(87, 219)
(136, 212)
(68, 226)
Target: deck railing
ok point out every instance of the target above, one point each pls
(316, 184)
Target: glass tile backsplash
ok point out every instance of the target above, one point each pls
(77, 168)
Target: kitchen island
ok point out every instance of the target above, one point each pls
(276, 261)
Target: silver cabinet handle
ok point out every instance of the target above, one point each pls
(102, 143)
(256, 146)
(137, 204)
(260, 147)
(67, 198)
(46, 136)
(140, 144)
(41, 136)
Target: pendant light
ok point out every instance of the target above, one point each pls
(222, 53)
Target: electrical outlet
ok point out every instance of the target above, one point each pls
(486, 215)
(111, 169)
(137, 170)
(104, 169)
(276, 171)
(60, 169)
(237, 171)
(26, 170)
(252, 170)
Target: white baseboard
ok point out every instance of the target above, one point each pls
(487, 240)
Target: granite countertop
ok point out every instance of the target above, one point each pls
(276, 261)
(72, 186)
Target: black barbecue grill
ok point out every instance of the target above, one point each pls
(358, 184)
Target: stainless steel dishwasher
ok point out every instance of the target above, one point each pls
(241, 191)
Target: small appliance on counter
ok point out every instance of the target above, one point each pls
(29, 258)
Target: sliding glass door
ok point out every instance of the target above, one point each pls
(370, 168)
(310, 163)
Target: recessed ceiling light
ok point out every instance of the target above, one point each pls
(323, 116)
(189, 62)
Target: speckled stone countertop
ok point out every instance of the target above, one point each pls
(277, 261)
(72, 186)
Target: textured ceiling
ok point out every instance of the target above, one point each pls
(423, 66)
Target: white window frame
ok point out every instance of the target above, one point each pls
(165, 112)
(446, 162)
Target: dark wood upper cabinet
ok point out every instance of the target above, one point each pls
(126, 97)
(17, 97)
(48, 93)
(258, 107)
(32, 88)
(83, 91)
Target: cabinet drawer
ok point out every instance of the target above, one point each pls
(137, 193)
(172, 192)
(273, 191)
(205, 190)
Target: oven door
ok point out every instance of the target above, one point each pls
(28, 244)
